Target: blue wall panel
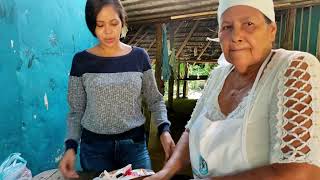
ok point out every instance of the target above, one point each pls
(306, 29)
(46, 34)
(10, 99)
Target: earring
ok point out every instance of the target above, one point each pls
(124, 31)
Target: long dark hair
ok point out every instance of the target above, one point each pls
(93, 7)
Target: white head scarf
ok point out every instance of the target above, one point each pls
(264, 6)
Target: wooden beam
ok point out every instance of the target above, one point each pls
(203, 50)
(141, 38)
(195, 15)
(287, 40)
(136, 35)
(178, 27)
(193, 78)
(159, 58)
(150, 46)
(187, 38)
(169, 10)
(214, 61)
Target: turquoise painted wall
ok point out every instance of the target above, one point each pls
(10, 103)
(34, 68)
(306, 29)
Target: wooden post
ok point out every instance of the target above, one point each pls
(171, 80)
(154, 144)
(185, 83)
(178, 81)
(159, 58)
(287, 40)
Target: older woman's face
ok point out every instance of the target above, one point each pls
(245, 37)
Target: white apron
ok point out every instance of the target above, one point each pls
(218, 147)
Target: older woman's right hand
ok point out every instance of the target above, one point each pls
(66, 165)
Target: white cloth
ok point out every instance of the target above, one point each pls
(244, 140)
(264, 6)
(222, 61)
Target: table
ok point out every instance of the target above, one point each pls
(55, 174)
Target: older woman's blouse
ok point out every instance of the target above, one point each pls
(283, 123)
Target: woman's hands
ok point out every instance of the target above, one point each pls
(167, 144)
(66, 165)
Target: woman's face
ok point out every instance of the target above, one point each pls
(245, 37)
(108, 26)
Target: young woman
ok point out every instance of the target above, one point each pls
(106, 86)
(258, 117)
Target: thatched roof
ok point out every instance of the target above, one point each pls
(192, 21)
(189, 36)
(142, 11)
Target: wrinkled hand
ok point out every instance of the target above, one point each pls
(66, 165)
(167, 144)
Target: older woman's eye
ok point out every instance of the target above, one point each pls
(225, 28)
(250, 23)
(99, 25)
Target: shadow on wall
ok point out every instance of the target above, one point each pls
(38, 41)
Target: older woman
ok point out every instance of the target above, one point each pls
(259, 116)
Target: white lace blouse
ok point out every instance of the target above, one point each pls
(284, 120)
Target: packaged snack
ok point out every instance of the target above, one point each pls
(125, 173)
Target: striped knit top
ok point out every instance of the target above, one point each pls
(105, 94)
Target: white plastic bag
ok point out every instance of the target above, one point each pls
(15, 168)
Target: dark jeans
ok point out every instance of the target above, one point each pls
(100, 152)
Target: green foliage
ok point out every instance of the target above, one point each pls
(201, 70)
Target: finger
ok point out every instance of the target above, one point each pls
(167, 155)
(63, 169)
(63, 172)
(66, 168)
(173, 143)
(172, 147)
(72, 174)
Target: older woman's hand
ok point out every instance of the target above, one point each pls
(161, 175)
(167, 144)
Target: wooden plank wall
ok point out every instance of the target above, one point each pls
(306, 29)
